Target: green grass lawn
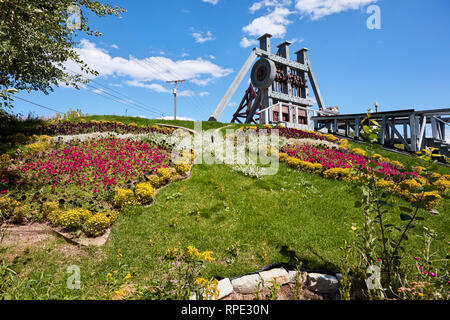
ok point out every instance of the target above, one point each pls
(287, 217)
(281, 218)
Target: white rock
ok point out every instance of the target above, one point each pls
(280, 276)
(322, 283)
(303, 277)
(225, 288)
(247, 284)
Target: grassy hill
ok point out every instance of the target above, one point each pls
(247, 223)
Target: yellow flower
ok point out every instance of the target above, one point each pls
(128, 276)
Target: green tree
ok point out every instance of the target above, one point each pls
(36, 39)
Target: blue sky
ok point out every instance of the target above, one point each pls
(405, 64)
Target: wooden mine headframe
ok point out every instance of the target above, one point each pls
(278, 91)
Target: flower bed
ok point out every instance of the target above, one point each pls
(342, 164)
(70, 128)
(80, 185)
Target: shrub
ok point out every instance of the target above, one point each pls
(443, 183)
(359, 152)
(48, 207)
(7, 205)
(19, 214)
(182, 168)
(153, 180)
(96, 225)
(283, 156)
(337, 174)
(36, 147)
(74, 219)
(165, 175)
(389, 185)
(53, 217)
(124, 197)
(144, 192)
(112, 216)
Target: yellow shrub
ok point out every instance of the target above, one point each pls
(48, 207)
(165, 174)
(124, 198)
(410, 184)
(377, 156)
(153, 180)
(330, 137)
(343, 143)
(386, 184)
(311, 167)
(53, 216)
(443, 184)
(397, 164)
(419, 169)
(7, 205)
(293, 162)
(183, 168)
(337, 174)
(359, 152)
(428, 200)
(74, 219)
(112, 216)
(19, 213)
(283, 156)
(132, 124)
(36, 147)
(96, 225)
(144, 192)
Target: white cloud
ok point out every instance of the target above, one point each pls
(204, 93)
(115, 46)
(202, 82)
(154, 68)
(200, 37)
(186, 93)
(232, 104)
(317, 9)
(268, 3)
(274, 23)
(97, 90)
(245, 42)
(152, 86)
(213, 2)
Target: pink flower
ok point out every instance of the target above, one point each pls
(417, 259)
(425, 272)
(4, 192)
(433, 274)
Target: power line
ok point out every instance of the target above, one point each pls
(39, 105)
(141, 105)
(125, 103)
(201, 104)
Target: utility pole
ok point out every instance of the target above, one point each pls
(175, 91)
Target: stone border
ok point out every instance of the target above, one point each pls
(319, 283)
